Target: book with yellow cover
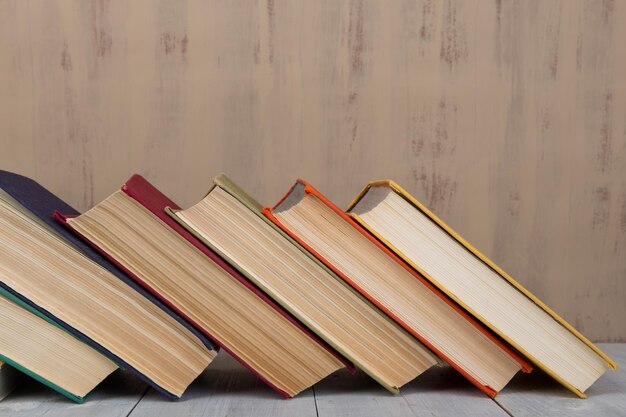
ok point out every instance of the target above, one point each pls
(476, 283)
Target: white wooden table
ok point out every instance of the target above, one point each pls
(227, 389)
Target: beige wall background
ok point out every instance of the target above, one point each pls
(507, 118)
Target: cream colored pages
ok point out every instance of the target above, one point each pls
(491, 298)
(58, 278)
(394, 287)
(9, 200)
(49, 351)
(238, 318)
(325, 304)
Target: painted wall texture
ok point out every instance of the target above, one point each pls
(507, 118)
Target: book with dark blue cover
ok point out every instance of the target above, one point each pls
(42, 204)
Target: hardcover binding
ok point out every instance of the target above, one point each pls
(9, 292)
(225, 183)
(309, 189)
(42, 380)
(42, 203)
(156, 202)
(19, 301)
(411, 200)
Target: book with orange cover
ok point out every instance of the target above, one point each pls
(396, 288)
(230, 223)
(476, 283)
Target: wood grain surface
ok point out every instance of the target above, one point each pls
(227, 389)
(506, 118)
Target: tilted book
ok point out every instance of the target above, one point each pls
(475, 282)
(43, 205)
(230, 222)
(346, 248)
(44, 270)
(35, 345)
(133, 230)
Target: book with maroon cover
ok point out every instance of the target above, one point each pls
(312, 220)
(149, 198)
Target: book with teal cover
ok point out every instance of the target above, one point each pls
(17, 364)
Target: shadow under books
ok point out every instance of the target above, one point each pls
(227, 377)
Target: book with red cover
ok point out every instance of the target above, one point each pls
(308, 189)
(146, 194)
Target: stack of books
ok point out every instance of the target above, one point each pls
(294, 292)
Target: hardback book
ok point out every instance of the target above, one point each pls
(43, 204)
(132, 228)
(431, 317)
(10, 378)
(35, 345)
(230, 223)
(452, 264)
(44, 270)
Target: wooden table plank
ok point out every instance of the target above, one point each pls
(115, 397)
(227, 388)
(439, 391)
(537, 394)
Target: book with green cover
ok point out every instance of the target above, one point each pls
(35, 345)
(30, 328)
(230, 222)
(46, 270)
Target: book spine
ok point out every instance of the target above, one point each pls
(158, 204)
